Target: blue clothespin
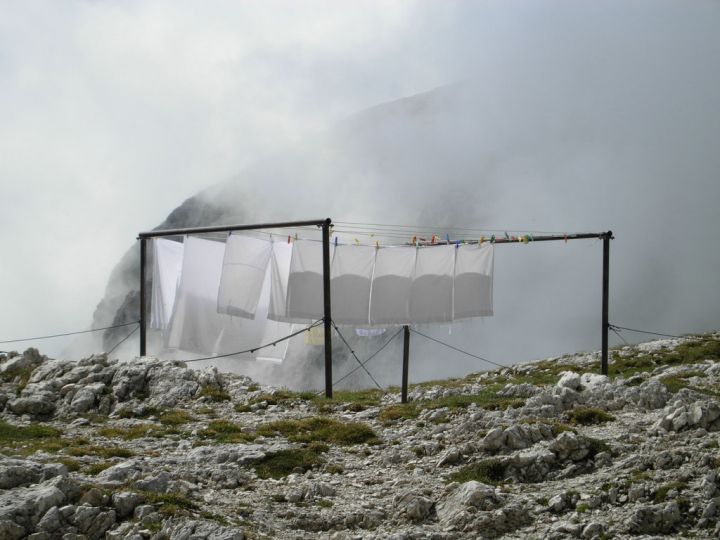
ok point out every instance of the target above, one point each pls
(336, 241)
(447, 238)
(457, 244)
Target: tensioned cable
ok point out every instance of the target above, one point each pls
(373, 355)
(618, 334)
(271, 344)
(123, 339)
(432, 228)
(642, 331)
(70, 333)
(355, 356)
(456, 349)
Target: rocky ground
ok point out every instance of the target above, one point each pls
(151, 449)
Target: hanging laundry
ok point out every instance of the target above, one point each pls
(245, 264)
(390, 289)
(196, 325)
(315, 336)
(279, 274)
(350, 276)
(167, 265)
(305, 282)
(431, 294)
(473, 292)
(370, 332)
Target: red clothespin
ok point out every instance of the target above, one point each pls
(432, 241)
(414, 240)
(289, 237)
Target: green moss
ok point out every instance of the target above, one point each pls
(130, 412)
(393, 413)
(12, 433)
(223, 431)
(175, 417)
(487, 399)
(96, 468)
(587, 416)
(171, 501)
(102, 451)
(136, 432)
(320, 428)
(662, 491)
(283, 462)
(582, 508)
(324, 503)
(71, 464)
(487, 471)
(214, 393)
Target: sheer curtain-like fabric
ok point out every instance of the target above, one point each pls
(474, 281)
(167, 266)
(244, 270)
(305, 283)
(279, 275)
(196, 325)
(391, 284)
(350, 277)
(431, 294)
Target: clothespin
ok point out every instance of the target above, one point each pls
(457, 244)
(482, 239)
(289, 238)
(525, 239)
(414, 240)
(492, 239)
(336, 241)
(566, 238)
(447, 238)
(295, 236)
(432, 241)
(357, 242)
(377, 244)
(506, 236)
(532, 239)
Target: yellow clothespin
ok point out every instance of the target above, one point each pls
(357, 242)
(482, 239)
(377, 244)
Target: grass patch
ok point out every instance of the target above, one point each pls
(597, 446)
(486, 399)
(175, 417)
(71, 464)
(557, 427)
(320, 428)
(12, 433)
(324, 503)
(102, 451)
(170, 503)
(692, 352)
(487, 471)
(144, 412)
(587, 416)
(662, 491)
(136, 432)
(223, 431)
(213, 393)
(96, 468)
(402, 411)
(283, 462)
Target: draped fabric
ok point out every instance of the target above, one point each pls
(431, 293)
(196, 325)
(167, 265)
(244, 270)
(279, 273)
(391, 283)
(473, 294)
(305, 283)
(351, 273)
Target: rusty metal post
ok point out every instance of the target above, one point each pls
(406, 364)
(143, 329)
(327, 317)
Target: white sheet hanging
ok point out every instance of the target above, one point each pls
(431, 294)
(196, 325)
(350, 276)
(391, 283)
(167, 265)
(305, 283)
(279, 275)
(474, 281)
(244, 270)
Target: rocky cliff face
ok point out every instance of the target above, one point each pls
(551, 449)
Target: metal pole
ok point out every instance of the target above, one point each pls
(229, 228)
(327, 318)
(406, 364)
(605, 300)
(143, 256)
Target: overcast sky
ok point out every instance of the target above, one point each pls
(112, 113)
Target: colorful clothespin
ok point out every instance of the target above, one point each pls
(377, 244)
(507, 237)
(525, 239)
(532, 239)
(566, 238)
(447, 238)
(357, 242)
(432, 241)
(492, 239)
(289, 238)
(414, 240)
(296, 236)
(336, 241)
(457, 244)
(482, 239)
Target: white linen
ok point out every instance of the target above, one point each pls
(279, 275)
(305, 282)
(431, 294)
(244, 269)
(350, 277)
(474, 281)
(167, 265)
(391, 283)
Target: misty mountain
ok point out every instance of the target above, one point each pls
(523, 152)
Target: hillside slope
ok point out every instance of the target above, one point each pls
(551, 449)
